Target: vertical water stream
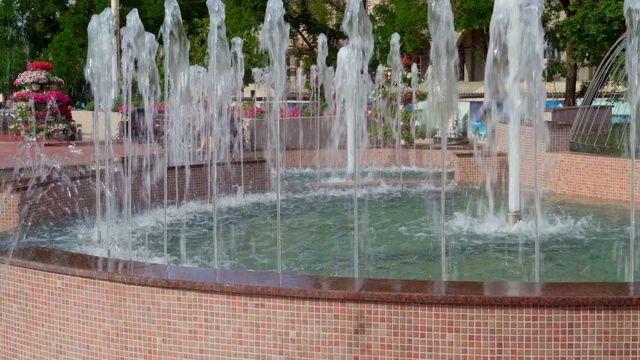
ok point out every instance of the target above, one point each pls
(632, 17)
(101, 73)
(443, 96)
(275, 41)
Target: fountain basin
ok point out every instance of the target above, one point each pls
(398, 238)
(76, 305)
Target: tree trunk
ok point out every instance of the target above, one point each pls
(572, 66)
(572, 79)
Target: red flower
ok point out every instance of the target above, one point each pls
(65, 112)
(40, 65)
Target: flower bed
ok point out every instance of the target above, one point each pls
(39, 108)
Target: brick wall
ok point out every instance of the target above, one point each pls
(75, 196)
(419, 157)
(52, 316)
(563, 172)
(470, 169)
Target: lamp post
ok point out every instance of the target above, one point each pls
(115, 11)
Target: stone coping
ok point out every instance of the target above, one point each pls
(265, 284)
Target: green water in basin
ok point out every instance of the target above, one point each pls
(398, 234)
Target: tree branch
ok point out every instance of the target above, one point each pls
(337, 5)
(305, 39)
(566, 7)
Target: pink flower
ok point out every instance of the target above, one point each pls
(57, 96)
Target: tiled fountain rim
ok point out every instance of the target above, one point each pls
(87, 170)
(242, 282)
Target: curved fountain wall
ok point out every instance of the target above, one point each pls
(570, 173)
(55, 304)
(68, 306)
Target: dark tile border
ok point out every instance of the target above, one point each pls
(242, 282)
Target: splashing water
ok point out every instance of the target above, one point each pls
(443, 92)
(632, 17)
(414, 101)
(101, 73)
(352, 86)
(300, 80)
(237, 130)
(514, 90)
(394, 61)
(204, 104)
(138, 63)
(275, 40)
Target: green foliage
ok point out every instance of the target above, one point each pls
(553, 69)
(406, 17)
(583, 88)
(310, 111)
(591, 29)
(471, 14)
(310, 18)
(585, 33)
(13, 46)
(38, 21)
(407, 127)
(243, 19)
(68, 49)
(409, 19)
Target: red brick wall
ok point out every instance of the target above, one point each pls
(562, 172)
(470, 169)
(76, 197)
(372, 157)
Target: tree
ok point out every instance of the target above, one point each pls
(68, 49)
(406, 17)
(309, 19)
(243, 19)
(472, 14)
(587, 31)
(409, 19)
(26, 27)
(13, 46)
(38, 20)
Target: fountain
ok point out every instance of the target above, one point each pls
(204, 244)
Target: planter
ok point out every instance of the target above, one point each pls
(35, 87)
(53, 87)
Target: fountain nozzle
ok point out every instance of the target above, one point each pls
(513, 217)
